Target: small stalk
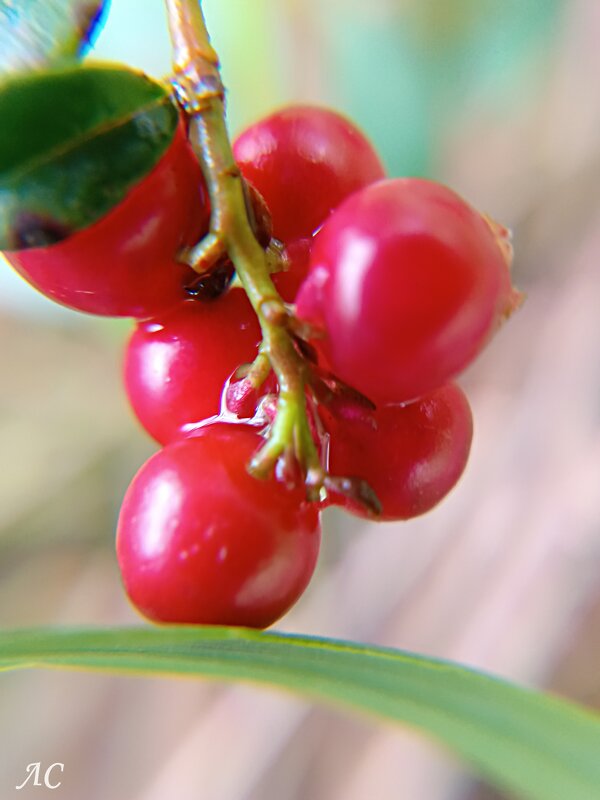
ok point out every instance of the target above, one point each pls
(200, 92)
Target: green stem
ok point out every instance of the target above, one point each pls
(200, 92)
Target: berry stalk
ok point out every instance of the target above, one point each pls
(200, 92)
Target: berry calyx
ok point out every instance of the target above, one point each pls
(200, 541)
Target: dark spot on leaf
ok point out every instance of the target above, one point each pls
(35, 230)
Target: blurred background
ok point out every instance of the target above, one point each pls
(497, 99)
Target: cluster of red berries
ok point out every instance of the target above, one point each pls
(399, 282)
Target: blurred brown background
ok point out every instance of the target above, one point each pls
(498, 99)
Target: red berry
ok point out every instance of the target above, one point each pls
(176, 364)
(126, 263)
(411, 456)
(304, 161)
(408, 283)
(200, 541)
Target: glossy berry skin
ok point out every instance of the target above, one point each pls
(407, 282)
(200, 541)
(411, 456)
(305, 160)
(125, 263)
(176, 364)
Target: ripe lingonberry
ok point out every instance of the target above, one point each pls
(407, 283)
(410, 455)
(304, 161)
(200, 541)
(177, 364)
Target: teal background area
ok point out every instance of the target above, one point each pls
(404, 71)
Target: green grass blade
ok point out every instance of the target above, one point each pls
(537, 746)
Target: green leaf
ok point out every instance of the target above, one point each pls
(38, 33)
(537, 746)
(72, 143)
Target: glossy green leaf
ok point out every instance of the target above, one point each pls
(539, 747)
(72, 143)
(38, 33)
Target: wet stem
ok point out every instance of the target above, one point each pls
(200, 92)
